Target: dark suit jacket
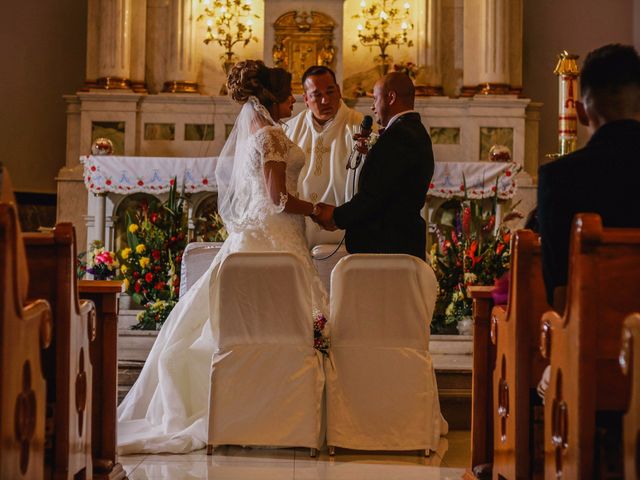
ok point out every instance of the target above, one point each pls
(384, 216)
(603, 178)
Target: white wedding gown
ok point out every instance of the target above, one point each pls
(166, 410)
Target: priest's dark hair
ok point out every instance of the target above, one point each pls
(610, 80)
(318, 70)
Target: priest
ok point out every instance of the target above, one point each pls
(325, 132)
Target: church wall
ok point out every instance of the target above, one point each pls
(577, 26)
(42, 47)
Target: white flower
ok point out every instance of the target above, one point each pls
(470, 278)
(373, 138)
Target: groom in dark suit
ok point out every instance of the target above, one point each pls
(384, 216)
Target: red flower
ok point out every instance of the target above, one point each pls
(108, 181)
(137, 287)
(140, 182)
(149, 277)
(500, 248)
(159, 286)
(508, 173)
(136, 274)
(466, 220)
(172, 181)
(156, 254)
(154, 217)
(93, 168)
(205, 181)
(490, 223)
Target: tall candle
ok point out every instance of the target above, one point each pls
(567, 71)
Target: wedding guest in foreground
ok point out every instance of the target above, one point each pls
(604, 176)
(384, 215)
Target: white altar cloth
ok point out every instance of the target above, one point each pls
(125, 175)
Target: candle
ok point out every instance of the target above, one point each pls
(567, 71)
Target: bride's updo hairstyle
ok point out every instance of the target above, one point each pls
(253, 77)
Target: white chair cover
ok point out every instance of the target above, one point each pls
(196, 260)
(267, 379)
(325, 265)
(381, 385)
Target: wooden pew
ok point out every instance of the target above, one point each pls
(481, 391)
(604, 275)
(51, 258)
(104, 360)
(630, 363)
(25, 328)
(519, 364)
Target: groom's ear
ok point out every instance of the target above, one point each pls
(392, 96)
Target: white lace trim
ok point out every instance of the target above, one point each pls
(261, 109)
(284, 198)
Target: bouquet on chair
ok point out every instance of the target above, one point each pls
(101, 263)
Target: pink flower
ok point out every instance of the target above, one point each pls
(104, 257)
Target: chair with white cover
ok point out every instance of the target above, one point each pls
(196, 260)
(325, 257)
(267, 379)
(381, 384)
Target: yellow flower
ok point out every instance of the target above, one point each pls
(133, 228)
(140, 248)
(123, 269)
(125, 252)
(144, 261)
(126, 284)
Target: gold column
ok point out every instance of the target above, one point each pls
(114, 45)
(181, 63)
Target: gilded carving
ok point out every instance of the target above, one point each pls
(302, 40)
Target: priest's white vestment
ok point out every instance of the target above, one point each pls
(324, 178)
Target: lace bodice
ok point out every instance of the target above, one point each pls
(270, 144)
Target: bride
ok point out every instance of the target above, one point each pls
(257, 176)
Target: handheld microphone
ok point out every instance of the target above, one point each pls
(365, 132)
(365, 126)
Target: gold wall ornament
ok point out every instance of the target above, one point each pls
(229, 24)
(567, 72)
(382, 24)
(302, 40)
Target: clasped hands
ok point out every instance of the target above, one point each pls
(323, 216)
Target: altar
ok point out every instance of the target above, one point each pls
(110, 180)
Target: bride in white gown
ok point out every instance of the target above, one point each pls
(257, 176)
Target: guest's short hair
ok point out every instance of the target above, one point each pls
(318, 70)
(610, 74)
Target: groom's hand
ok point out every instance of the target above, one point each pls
(324, 218)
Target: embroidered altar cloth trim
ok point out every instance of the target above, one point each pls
(449, 179)
(126, 175)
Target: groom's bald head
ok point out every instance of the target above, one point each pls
(392, 94)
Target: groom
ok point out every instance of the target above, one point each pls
(384, 216)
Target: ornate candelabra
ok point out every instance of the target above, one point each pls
(382, 25)
(229, 23)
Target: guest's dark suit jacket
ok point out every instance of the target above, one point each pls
(384, 216)
(603, 178)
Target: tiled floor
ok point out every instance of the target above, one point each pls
(236, 463)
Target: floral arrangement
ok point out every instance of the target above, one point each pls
(320, 341)
(408, 68)
(210, 228)
(470, 250)
(101, 263)
(151, 261)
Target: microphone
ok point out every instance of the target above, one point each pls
(365, 126)
(365, 132)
